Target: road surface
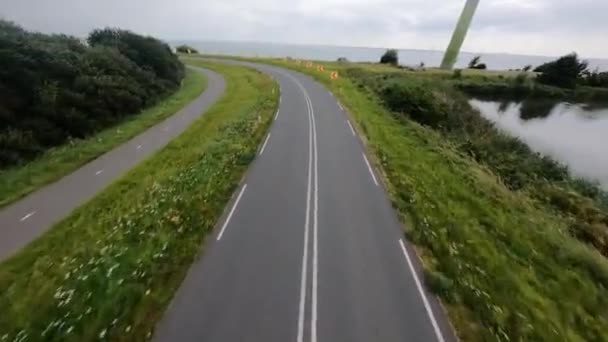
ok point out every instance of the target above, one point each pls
(26, 219)
(310, 248)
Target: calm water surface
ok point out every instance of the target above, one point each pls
(574, 134)
(496, 61)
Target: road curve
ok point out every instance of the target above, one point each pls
(310, 248)
(26, 219)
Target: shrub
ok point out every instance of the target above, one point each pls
(475, 63)
(342, 60)
(563, 72)
(391, 56)
(186, 49)
(415, 100)
(596, 79)
(147, 52)
(520, 79)
(53, 87)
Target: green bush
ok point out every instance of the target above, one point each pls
(596, 79)
(391, 56)
(457, 74)
(53, 87)
(415, 100)
(563, 72)
(186, 49)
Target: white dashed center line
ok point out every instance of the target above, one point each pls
(27, 216)
(236, 203)
(265, 142)
(369, 167)
(351, 127)
(98, 172)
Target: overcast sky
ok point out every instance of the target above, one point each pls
(540, 27)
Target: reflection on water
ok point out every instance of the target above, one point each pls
(574, 134)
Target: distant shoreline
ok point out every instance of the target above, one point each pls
(601, 62)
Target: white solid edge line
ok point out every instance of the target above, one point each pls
(98, 172)
(276, 116)
(369, 168)
(351, 128)
(236, 203)
(265, 142)
(27, 216)
(340, 105)
(427, 306)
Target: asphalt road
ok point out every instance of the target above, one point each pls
(26, 219)
(310, 248)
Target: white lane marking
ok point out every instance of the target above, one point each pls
(98, 172)
(236, 203)
(277, 114)
(27, 216)
(340, 105)
(351, 128)
(312, 162)
(302, 308)
(427, 306)
(265, 142)
(138, 147)
(369, 167)
(315, 248)
(280, 99)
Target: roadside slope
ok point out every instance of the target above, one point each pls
(19, 181)
(27, 218)
(108, 270)
(505, 266)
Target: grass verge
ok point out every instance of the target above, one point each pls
(506, 266)
(16, 182)
(108, 270)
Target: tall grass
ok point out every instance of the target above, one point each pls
(108, 270)
(505, 264)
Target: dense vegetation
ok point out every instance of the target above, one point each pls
(19, 180)
(55, 87)
(475, 63)
(500, 242)
(563, 72)
(391, 56)
(107, 271)
(186, 49)
(446, 110)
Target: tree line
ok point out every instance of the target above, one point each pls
(54, 88)
(565, 72)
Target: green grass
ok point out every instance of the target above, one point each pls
(16, 182)
(108, 271)
(505, 266)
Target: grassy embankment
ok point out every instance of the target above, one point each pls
(497, 234)
(18, 181)
(108, 270)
